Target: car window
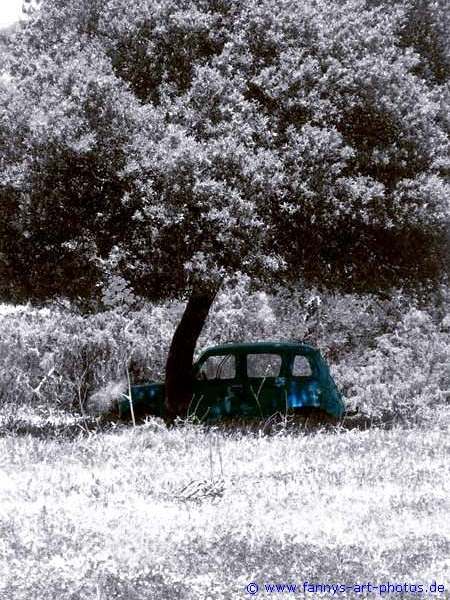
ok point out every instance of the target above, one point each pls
(218, 367)
(301, 366)
(263, 365)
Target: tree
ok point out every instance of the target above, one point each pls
(178, 143)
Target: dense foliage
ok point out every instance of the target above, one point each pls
(391, 357)
(170, 146)
(220, 136)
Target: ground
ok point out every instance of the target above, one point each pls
(195, 513)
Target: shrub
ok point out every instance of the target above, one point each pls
(390, 357)
(407, 372)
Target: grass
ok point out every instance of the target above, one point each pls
(196, 513)
(91, 512)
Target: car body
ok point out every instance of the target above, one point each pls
(257, 380)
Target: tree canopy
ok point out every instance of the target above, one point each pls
(179, 142)
(213, 136)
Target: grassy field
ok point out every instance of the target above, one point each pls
(195, 513)
(192, 513)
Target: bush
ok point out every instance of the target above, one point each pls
(57, 357)
(406, 374)
(390, 357)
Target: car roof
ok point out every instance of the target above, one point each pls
(263, 347)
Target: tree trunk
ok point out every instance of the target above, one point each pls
(178, 383)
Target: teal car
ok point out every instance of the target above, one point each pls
(254, 380)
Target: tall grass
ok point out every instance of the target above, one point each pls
(193, 512)
(190, 513)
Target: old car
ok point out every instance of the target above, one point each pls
(256, 380)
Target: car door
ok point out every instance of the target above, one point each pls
(217, 387)
(304, 390)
